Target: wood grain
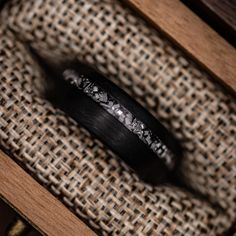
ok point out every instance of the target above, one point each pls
(225, 10)
(191, 33)
(219, 14)
(36, 203)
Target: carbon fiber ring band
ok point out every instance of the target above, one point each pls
(123, 115)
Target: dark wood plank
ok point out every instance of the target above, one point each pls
(219, 14)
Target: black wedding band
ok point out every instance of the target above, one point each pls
(113, 117)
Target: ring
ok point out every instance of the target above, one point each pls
(114, 118)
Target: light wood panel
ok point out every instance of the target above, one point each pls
(36, 203)
(193, 35)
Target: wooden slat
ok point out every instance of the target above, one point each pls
(223, 11)
(193, 35)
(219, 14)
(36, 203)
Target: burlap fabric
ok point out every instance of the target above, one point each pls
(77, 168)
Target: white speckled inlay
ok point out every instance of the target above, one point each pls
(113, 107)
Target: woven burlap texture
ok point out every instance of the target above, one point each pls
(80, 171)
(147, 66)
